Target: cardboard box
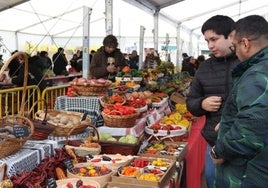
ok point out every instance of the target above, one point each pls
(183, 148)
(140, 183)
(177, 98)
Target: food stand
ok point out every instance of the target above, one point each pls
(172, 164)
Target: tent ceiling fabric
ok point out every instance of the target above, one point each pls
(4, 4)
(65, 17)
(192, 13)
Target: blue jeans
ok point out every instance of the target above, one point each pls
(209, 169)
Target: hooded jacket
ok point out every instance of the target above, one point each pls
(212, 78)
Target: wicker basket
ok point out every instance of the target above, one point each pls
(89, 89)
(103, 101)
(60, 128)
(83, 151)
(42, 129)
(63, 182)
(120, 121)
(10, 145)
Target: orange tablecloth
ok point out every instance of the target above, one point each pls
(195, 157)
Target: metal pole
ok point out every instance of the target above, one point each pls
(142, 29)
(86, 23)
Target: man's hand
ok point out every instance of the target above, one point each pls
(217, 127)
(111, 68)
(212, 103)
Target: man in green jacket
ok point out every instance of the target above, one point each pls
(241, 151)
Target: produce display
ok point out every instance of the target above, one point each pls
(91, 171)
(77, 183)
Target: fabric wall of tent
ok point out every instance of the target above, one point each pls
(34, 25)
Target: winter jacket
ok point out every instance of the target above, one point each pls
(35, 75)
(99, 64)
(60, 63)
(212, 78)
(243, 135)
(188, 67)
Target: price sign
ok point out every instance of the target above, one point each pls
(122, 83)
(69, 165)
(110, 92)
(51, 183)
(20, 131)
(131, 89)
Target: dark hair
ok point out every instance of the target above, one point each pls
(201, 58)
(60, 49)
(251, 26)
(221, 25)
(185, 55)
(110, 40)
(43, 53)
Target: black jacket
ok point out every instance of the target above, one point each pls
(35, 75)
(213, 78)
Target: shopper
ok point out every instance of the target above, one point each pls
(188, 65)
(108, 60)
(212, 82)
(241, 150)
(60, 62)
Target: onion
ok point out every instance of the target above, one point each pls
(101, 81)
(82, 80)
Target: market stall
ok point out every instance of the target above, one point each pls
(115, 134)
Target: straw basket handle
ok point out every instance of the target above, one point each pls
(25, 80)
(34, 104)
(77, 126)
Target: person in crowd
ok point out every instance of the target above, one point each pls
(199, 60)
(184, 56)
(79, 61)
(92, 52)
(14, 65)
(241, 150)
(73, 63)
(108, 60)
(134, 60)
(35, 75)
(188, 65)
(152, 60)
(60, 62)
(45, 60)
(212, 83)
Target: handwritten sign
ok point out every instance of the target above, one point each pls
(51, 183)
(20, 131)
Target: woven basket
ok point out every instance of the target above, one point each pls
(103, 102)
(120, 121)
(10, 145)
(60, 128)
(42, 129)
(63, 182)
(84, 151)
(89, 89)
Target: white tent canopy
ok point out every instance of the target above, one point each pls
(39, 24)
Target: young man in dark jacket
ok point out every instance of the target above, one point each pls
(108, 60)
(212, 83)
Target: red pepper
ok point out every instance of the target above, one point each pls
(71, 92)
